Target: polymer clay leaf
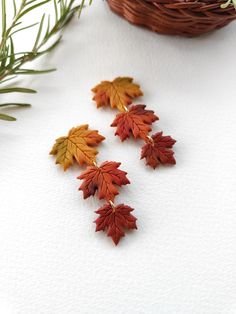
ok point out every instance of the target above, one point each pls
(114, 220)
(136, 121)
(103, 179)
(117, 93)
(79, 145)
(158, 150)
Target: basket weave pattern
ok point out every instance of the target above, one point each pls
(177, 17)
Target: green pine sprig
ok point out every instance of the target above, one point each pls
(14, 64)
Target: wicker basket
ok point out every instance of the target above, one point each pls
(177, 17)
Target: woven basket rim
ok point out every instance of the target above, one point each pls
(177, 17)
(185, 1)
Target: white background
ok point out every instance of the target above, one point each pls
(182, 258)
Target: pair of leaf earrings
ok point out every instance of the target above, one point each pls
(80, 146)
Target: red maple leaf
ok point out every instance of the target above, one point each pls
(103, 179)
(158, 150)
(114, 220)
(136, 121)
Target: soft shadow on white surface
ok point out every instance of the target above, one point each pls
(181, 260)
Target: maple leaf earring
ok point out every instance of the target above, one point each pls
(80, 146)
(135, 121)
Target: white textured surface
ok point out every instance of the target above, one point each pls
(182, 258)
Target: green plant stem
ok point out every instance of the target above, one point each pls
(6, 32)
(36, 52)
(11, 62)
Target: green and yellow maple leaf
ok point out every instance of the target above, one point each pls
(78, 145)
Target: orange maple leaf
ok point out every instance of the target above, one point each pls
(103, 179)
(136, 121)
(117, 94)
(114, 220)
(79, 145)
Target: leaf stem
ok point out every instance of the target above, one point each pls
(149, 139)
(95, 163)
(112, 205)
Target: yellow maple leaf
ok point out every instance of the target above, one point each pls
(118, 93)
(79, 145)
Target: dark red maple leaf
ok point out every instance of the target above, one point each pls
(136, 121)
(114, 220)
(158, 150)
(103, 179)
